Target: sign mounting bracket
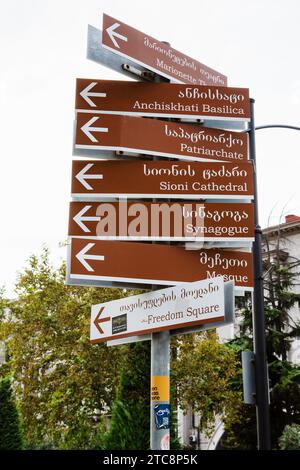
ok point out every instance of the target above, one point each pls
(143, 74)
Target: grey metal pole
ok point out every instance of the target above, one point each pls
(160, 372)
(160, 388)
(279, 126)
(258, 316)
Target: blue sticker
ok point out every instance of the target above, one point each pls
(162, 416)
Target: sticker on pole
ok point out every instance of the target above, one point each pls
(162, 416)
(160, 388)
(165, 442)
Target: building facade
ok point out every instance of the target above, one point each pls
(280, 242)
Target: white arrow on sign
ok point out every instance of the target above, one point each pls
(87, 129)
(86, 93)
(82, 257)
(82, 176)
(79, 218)
(112, 34)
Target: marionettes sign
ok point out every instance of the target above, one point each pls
(145, 50)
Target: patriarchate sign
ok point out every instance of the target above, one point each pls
(109, 132)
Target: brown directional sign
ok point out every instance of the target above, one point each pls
(162, 100)
(154, 137)
(162, 221)
(98, 262)
(96, 179)
(155, 55)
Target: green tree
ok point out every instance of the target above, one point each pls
(290, 438)
(130, 421)
(203, 370)
(63, 383)
(10, 428)
(281, 278)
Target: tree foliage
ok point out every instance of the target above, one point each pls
(62, 382)
(280, 287)
(290, 438)
(203, 371)
(10, 427)
(67, 388)
(130, 423)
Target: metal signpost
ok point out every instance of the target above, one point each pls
(207, 197)
(258, 316)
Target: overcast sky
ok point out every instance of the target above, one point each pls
(43, 50)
